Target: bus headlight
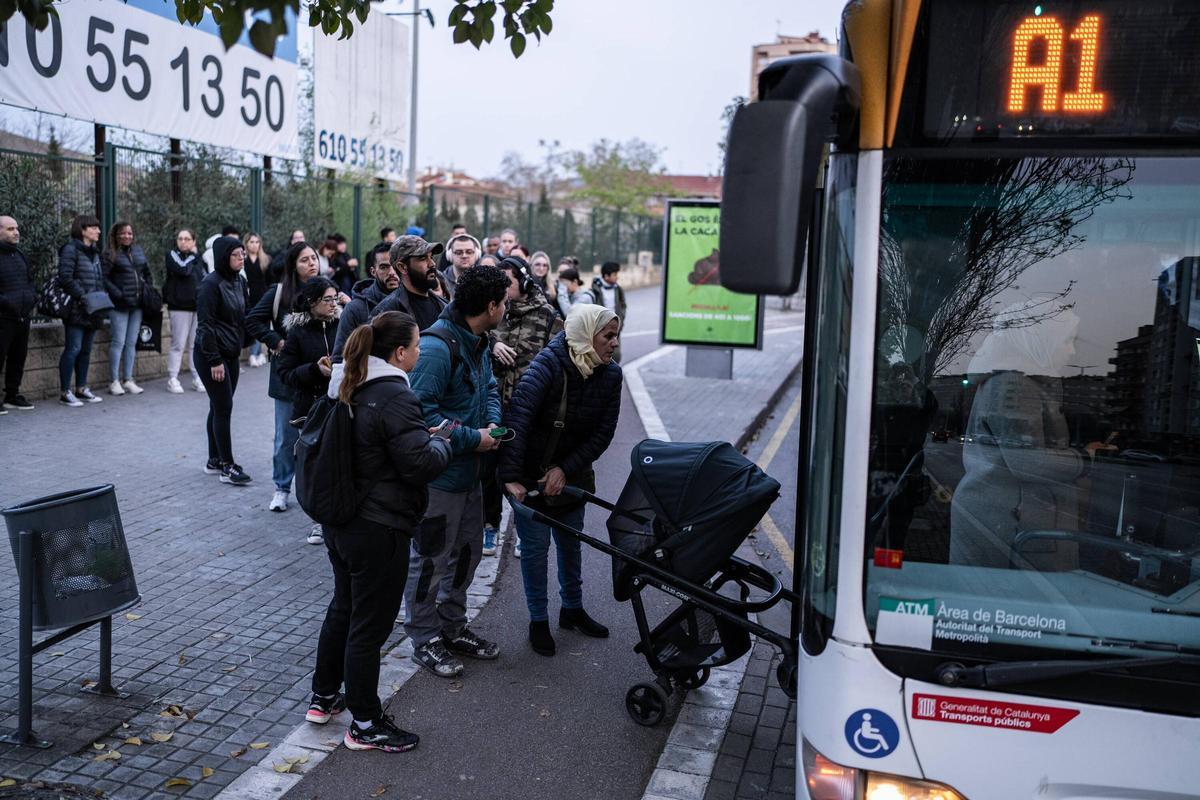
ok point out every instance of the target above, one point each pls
(827, 780)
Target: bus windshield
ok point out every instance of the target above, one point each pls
(1034, 467)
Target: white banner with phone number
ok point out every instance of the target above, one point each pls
(114, 64)
(360, 99)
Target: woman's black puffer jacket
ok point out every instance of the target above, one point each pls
(593, 405)
(125, 273)
(394, 455)
(308, 340)
(220, 309)
(80, 273)
(184, 273)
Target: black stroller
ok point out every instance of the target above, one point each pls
(684, 511)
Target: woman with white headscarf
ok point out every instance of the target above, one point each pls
(562, 416)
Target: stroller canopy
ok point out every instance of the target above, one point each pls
(693, 483)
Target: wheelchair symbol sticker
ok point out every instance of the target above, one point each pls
(872, 733)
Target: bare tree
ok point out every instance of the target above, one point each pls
(1022, 212)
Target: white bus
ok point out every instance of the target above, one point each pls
(999, 535)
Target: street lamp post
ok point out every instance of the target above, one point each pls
(412, 111)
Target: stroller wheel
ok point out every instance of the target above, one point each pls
(646, 703)
(785, 673)
(693, 680)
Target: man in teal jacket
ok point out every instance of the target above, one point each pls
(453, 380)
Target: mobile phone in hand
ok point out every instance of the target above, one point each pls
(443, 431)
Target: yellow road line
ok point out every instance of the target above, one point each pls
(764, 461)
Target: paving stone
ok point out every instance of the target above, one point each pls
(688, 760)
(753, 787)
(760, 761)
(677, 785)
(721, 790)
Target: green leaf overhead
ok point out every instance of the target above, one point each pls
(471, 21)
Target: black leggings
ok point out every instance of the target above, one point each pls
(370, 563)
(220, 408)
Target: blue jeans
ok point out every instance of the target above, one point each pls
(76, 356)
(122, 350)
(283, 464)
(535, 551)
(256, 348)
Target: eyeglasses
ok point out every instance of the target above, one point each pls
(328, 300)
(463, 252)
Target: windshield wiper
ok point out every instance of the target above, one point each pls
(986, 676)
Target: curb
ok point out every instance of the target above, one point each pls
(685, 766)
(308, 745)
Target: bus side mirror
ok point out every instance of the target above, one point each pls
(772, 164)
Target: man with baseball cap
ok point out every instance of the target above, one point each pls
(413, 258)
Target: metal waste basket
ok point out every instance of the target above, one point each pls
(74, 571)
(81, 563)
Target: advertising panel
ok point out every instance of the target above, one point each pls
(108, 62)
(697, 310)
(360, 99)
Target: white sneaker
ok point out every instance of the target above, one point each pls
(131, 387)
(69, 399)
(115, 388)
(316, 535)
(279, 501)
(198, 385)
(173, 386)
(516, 546)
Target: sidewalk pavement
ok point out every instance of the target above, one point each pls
(219, 653)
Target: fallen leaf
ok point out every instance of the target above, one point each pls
(574, 653)
(282, 768)
(86, 682)
(297, 760)
(190, 713)
(182, 660)
(4, 784)
(124, 726)
(259, 745)
(111, 755)
(455, 686)
(379, 790)
(544, 713)
(162, 736)
(220, 552)
(133, 617)
(230, 668)
(173, 782)
(241, 751)
(99, 745)
(58, 653)
(206, 772)
(134, 740)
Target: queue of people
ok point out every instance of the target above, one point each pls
(467, 384)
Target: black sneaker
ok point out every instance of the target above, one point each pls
(473, 646)
(233, 473)
(212, 467)
(18, 402)
(322, 708)
(85, 394)
(382, 734)
(434, 657)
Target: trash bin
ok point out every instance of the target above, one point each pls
(81, 569)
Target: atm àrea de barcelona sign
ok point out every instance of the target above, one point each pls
(991, 713)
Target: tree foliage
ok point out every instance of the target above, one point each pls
(618, 175)
(474, 21)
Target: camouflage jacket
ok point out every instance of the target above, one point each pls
(528, 327)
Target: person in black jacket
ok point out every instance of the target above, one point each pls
(366, 295)
(412, 258)
(265, 323)
(220, 335)
(17, 295)
(185, 270)
(80, 275)
(305, 362)
(126, 272)
(395, 457)
(563, 415)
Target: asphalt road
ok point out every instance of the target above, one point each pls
(527, 726)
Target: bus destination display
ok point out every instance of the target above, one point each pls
(1103, 68)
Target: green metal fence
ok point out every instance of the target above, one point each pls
(159, 193)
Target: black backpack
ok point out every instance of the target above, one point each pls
(325, 463)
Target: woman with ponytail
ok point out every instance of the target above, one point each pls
(395, 456)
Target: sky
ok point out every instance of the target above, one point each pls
(659, 70)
